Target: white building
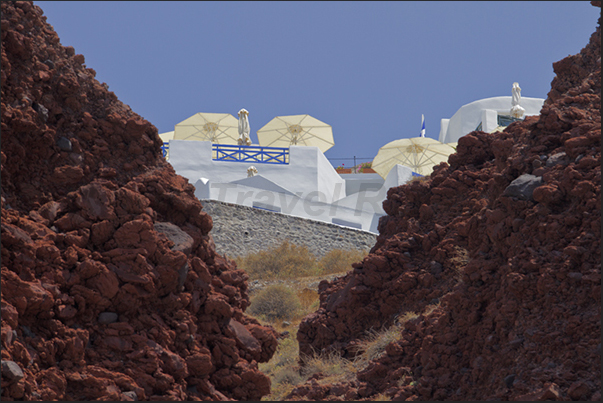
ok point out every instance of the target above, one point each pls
(300, 181)
(297, 181)
(484, 114)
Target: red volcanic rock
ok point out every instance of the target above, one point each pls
(30, 298)
(111, 287)
(95, 201)
(67, 175)
(505, 281)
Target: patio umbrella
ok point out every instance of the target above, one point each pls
(301, 130)
(220, 128)
(420, 154)
(167, 136)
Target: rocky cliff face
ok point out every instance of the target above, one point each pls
(504, 242)
(111, 287)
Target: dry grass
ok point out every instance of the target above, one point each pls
(373, 346)
(298, 269)
(308, 299)
(430, 308)
(286, 373)
(288, 261)
(331, 366)
(284, 369)
(339, 261)
(381, 397)
(405, 317)
(281, 262)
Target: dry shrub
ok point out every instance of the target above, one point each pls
(381, 397)
(281, 262)
(430, 308)
(307, 298)
(405, 317)
(288, 375)
(459, 260)
(332, 366)
(275, 302)
(339, 260)
(373, 346)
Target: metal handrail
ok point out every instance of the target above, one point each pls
(232, 152)
(257, 154)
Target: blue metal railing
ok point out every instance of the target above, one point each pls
(257, 154)
(231, 152)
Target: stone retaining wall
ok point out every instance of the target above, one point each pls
(240, 230)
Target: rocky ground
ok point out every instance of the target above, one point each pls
(506, 238)
(111, 286)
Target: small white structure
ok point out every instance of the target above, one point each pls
(252, 171)
(487, 114)
(516, 110)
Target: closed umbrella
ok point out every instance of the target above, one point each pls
(244, 128)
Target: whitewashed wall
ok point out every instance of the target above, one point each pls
(307, 187)
(469, 116)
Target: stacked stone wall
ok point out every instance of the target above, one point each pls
(240, 230)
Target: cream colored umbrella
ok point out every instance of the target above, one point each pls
(420, 154)
(167, 136)
(301, 130)
(220, 128)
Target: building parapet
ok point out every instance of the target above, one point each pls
(257, 154)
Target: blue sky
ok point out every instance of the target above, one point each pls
(369, 69)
